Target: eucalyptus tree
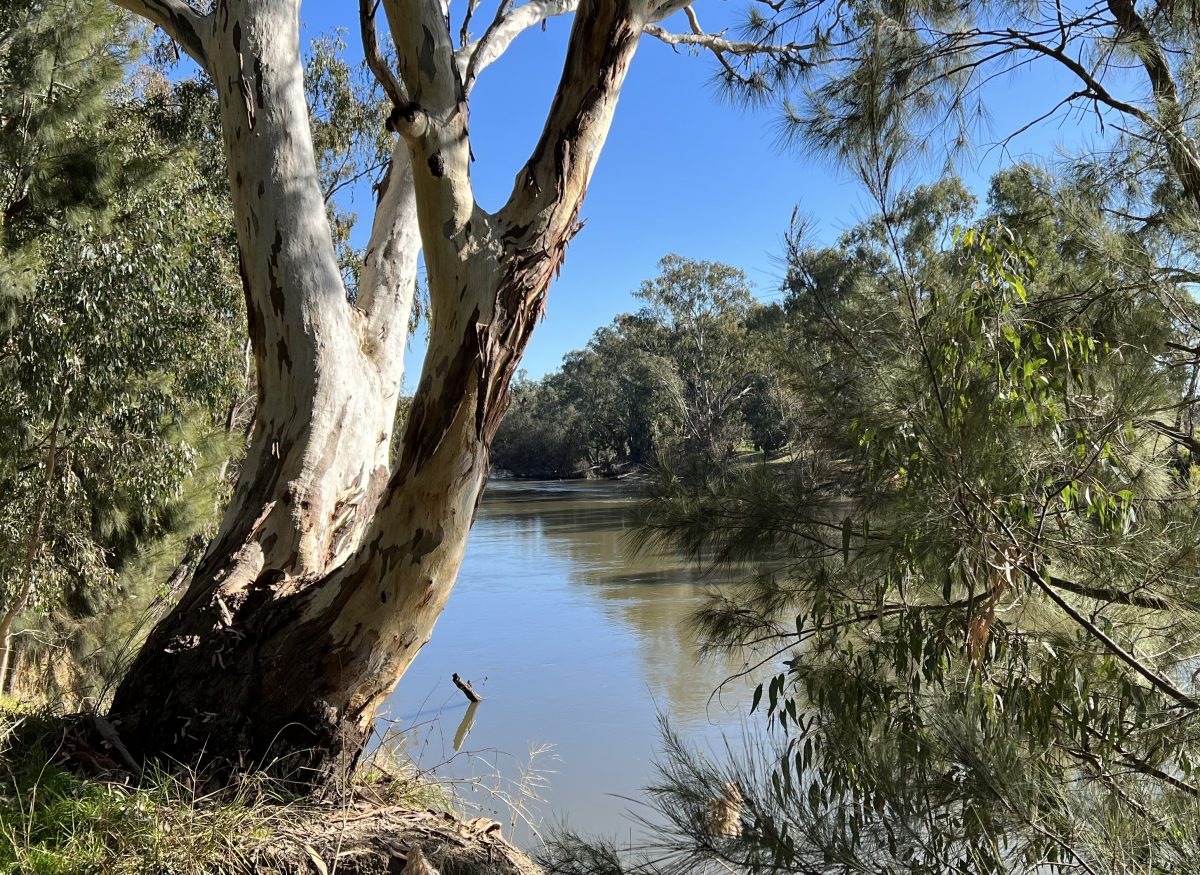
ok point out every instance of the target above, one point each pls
(543, 432)
(622, 382)
(332, 555)
(771, 407)
(103, 371)
(701, 308)
(676, 378)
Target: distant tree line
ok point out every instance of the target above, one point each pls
(690, 378)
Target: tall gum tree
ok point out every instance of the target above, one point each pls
(334, 561)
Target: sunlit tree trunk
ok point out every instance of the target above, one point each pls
(331, 566)
(328, 373)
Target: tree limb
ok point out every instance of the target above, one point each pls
(719, 46)
(1107, 594)
(392, 86)
(509, 23)
(551, 185)
(1180, 147)
(717, 43)
(433, 122)
(1182, 439)
(1096, 89)
(387, 284)
(177, 20)
(1169, 123)
(667, 8)
(1156, 680)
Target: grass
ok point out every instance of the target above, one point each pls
(56, 821)
(390, 778)
(53, 821)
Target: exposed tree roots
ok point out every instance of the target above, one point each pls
(366, 839)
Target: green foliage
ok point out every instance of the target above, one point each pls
(123, 355)
(619, 380)
(701, 309)
(543, 432)
(59, 61)
(688, 375)
(978, 587)
(55, 822)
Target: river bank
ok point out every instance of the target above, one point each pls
(577, 646)
(74, 802)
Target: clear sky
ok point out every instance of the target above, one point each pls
(682, 171)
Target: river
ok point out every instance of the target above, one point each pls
(574, 643)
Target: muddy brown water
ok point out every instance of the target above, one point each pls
(576, 644)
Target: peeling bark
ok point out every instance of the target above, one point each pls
(328, 374)
(330, 569)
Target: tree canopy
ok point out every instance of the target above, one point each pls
(687, 379)
(978, 576)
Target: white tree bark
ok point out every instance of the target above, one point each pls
(488, 278)
(327, 559)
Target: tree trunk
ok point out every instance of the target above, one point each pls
(330, 569)
(328, 374)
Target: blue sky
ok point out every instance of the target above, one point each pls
(682, 171)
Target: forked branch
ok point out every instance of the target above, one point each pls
(506, 26)
(720, 46)
(551, 185)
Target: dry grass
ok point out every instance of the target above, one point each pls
(56, 820)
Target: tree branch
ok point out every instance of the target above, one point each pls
(667, 8)
(1184, 440)
(1156, 680)
(433, 122)
(425, 55)
(718, 44)
(392, 86)
(551, 185)
(1169, 124)
(177, 20)
(1096, 89)
(1180, 147)
(508, 24)
(1107, 594)
(389, 274)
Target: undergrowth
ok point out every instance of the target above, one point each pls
(54, 820)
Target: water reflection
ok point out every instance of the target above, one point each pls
(464, 726)
(572, 641)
